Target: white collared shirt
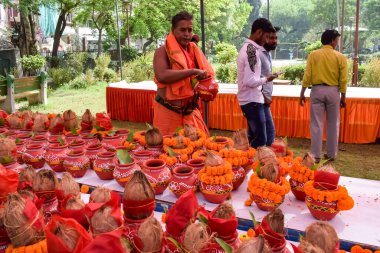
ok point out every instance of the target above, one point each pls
(249, 72)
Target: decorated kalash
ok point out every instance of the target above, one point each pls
(41, 206)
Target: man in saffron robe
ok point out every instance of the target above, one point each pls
(177, 66)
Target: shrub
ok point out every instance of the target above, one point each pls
(102, 63)
(294, 72)
(129, 54)
(61, 75)
(225, 53)
(89, 77)
(140, 69)
(33, 62)
(109, 75)
(314, 46)
(77, 62)
(371, 76)
(227, 73)
(78, 82)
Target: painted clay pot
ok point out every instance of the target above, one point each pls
(76, 163)
(196, 164)
(56, 155)
(55, 137)
(24, 137)
(71, 137)
(158, 174)
(124, 172)
(110, 143)
(39, 140)
(11, 134)
(183, 180)
(265, 204)
(215, 193)
(297, 189)
(138, 145)
(34, 156)
(104, 165)
(123, 133)
(77, 145)
(248, 166)
(141, 156)
(92, 152)
(321, 210)
(20, 149)
(15, 166)
(239, 175)
(156, 151)
(90, 140)
(44, 133)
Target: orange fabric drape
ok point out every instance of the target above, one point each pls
(360, 120)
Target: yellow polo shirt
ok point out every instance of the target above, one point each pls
(326, 66)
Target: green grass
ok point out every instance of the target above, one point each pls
(353, 160)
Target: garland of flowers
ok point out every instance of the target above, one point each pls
(170, 160)
(283, 168)
(172, 142)
(250, 153)
(201, 138)
(40, 247)
(344, 201)
(95, 132)
(299, 172)
(128, 145)
(358, 249)
(219, 175)
(210, 143)
(201, 154)
(237, 161)
(140, 136)
(266, 189)
(288, 158)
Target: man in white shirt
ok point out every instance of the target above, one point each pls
(250, 82)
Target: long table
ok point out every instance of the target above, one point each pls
(357, 226)
(359, 123)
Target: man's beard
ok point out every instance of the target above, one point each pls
(270, 47)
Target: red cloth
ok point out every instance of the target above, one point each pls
(135, 207)
(180, 214)
(55, 244)
(326, 180)
(25, 185)
(8, 183)
(107, 242)
(104, 120)
(78, 215)
(275, 240)
(211, 247)
(85, 125)
(3, 118)
(225, 229)
(30, 212)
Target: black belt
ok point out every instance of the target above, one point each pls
(187, 109)
(321, 84)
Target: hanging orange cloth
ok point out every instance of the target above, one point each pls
(167, 120)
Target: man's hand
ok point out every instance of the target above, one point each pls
(271, 77)
(343, 100)
(302, 97)
(201, 74)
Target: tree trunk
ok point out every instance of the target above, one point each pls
(146, 44)
(61, 24)
(99, 42)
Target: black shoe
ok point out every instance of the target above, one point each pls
(330, 159)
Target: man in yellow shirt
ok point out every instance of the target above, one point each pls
(326, 74)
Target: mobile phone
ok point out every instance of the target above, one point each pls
(279, 73)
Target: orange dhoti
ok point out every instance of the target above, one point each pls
(168, 121)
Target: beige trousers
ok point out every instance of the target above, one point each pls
(324, 99)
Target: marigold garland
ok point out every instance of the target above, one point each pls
(201, 154)
(170, 160)
(102, 133)
(288, 158)
(172, 142)
(40, 247)
(140, 136)
(128, 145)
(250, 153)
(213, 145)
(359, 249)
(221, 174)
(266, 189)
(299, 172)
(201, 138)
(237, 161)
(344, 201)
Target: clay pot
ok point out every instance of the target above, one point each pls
(321, 210)
(239, 176)
(56, 155)
(15, 166)
(138, 145)
(71, 137)
(55, 137)
(11, 134)
(24, 138)
(141, 156)
(248, 166)
(34, 156)
(297, 189)
(158, 174)
(104, 165)
(44, 133)
(110, 143)
(183, 180)
(265, 204)
(93, 151)
(196, 164)
(20, 149)
(124, 172)
(76, 163)
(90, 140)
(39, 140)
(215, 193)
(156, 151)
(77, 145)
(207, 89)
(123, 133)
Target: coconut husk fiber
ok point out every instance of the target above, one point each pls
(56, 124)
(23, 222)
(87, 120)
(41, 122)
(102, 221)
(308, 160)
(153, 137)
(7, 147)
(196, 237)
(224, 211)
(190, 132)
(240, 138)
(67, 185)
(270, 171)
(151, 234)
(14, 121)
(27, 120)
(67, 234)
(265, 155)
(45, 180)
(74, 203)
(307, 247)
(70, 120)
(213, 159)
(26, 178)
(100, 195)
(275, 220)
(139, 197)
(254, 245)
(322, 235)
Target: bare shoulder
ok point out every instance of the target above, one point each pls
(160, 52)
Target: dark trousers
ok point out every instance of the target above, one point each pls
(261, 129)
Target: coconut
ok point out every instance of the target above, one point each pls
(88, 117)
(190, 132)
(196, 237)
(27, 120)
(74, 203)
(308, 160)
(307, 247)
(68, 185)
(100, 195)
(275, 220)
(279, 147)
(254, 245)
(153, 137)
(224, 211)
(57, 124)
(151, 233)
(41, 122)
(27, 175)
(240, 139)
(20, 228)
(322, 235)
(179, 141)
(138, 189)
(328, 168)
(7, 147)
(265, 155)
(68, 235)
(213, 159)
(270, 171)
(14, 121)
(45, 180)
(102, 221)
(70, 120)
